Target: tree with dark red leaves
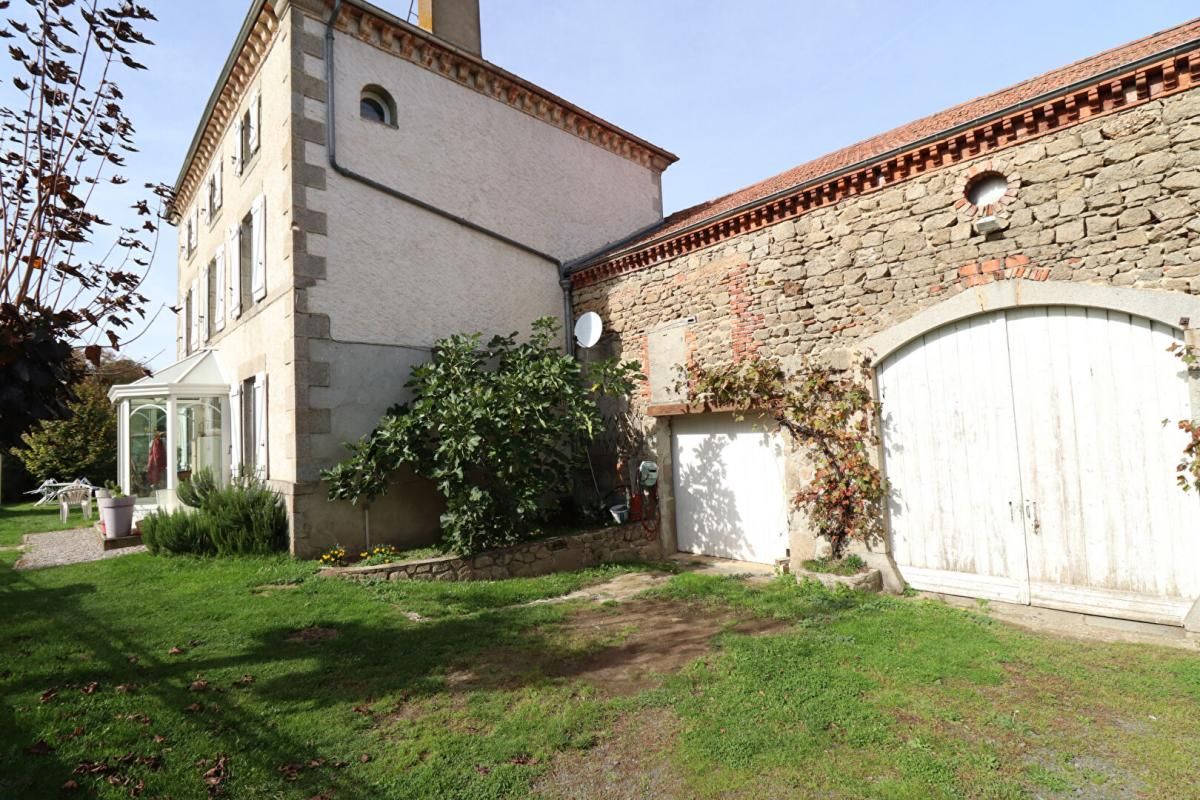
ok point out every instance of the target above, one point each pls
(63, 136)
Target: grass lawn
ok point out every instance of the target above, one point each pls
(252, 678)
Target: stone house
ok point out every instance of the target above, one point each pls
(357, 188)
(1015, 269)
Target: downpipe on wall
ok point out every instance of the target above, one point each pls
(331, 149)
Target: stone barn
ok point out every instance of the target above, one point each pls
(1015, 269)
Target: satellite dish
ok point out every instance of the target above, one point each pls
(588, 329)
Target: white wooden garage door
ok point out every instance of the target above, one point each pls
(729, 492)
(1030, 463)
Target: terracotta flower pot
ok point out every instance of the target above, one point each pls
(117, 515)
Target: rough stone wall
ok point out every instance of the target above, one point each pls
(542, 557)
(1112, 201)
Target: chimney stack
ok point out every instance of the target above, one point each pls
(456, 21)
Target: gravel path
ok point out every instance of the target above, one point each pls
(67, 547)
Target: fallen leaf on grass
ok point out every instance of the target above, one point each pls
(70, 786)
(194, 708)
(290, 772)
(132, 659)
(523, 760)
(364, 758)
(198, 685)
(314, 763)
(72, 735)
(126, 688)
(175, 651)
(216, 775)
(245, 680)
(91, 687)
(48, 695)
(482, 770)
(159, 738)
(39, 748)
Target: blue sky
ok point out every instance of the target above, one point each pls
(738, 89)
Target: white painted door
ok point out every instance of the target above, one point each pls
(950, 452)
(1108, 528)
(729, 488)
(1041, 430)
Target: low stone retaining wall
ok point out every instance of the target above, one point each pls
(870, 580)
(540, 557)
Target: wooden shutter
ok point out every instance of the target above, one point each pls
(202, 313)
(193, 319)
(239, 157)
(218, 310)
(255, 108)
(258, 234)
(219, 193)
(235, 272)
(260, 424)
(235, 429)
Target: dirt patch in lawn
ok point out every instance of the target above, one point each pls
(631, 763)
(313, 634)
(618, 649)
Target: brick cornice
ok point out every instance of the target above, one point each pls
(1172, 75)
(419, 47)
(227, 100)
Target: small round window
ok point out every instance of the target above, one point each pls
(376, 105)
(986, 189)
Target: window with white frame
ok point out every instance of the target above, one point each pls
(245, 261)
(213, 193)
(246, 130)
(248, 412)
(210, 299)
(190, 232)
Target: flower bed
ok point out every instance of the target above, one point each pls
(539, 557)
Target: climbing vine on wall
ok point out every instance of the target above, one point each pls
(1188, 469)
(828, 413)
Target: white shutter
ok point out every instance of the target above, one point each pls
(255, 108)
(235, 429)
(258, 234)
(219, 193)
(202, 314)
(235, 273)
(204, 200)
(260, 423)
(193, 319)
(239, 157)
(218, 309)
(194, 229)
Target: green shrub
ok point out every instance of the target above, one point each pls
(176, 532)
(496, 427)
(247, 518)
(244, 518)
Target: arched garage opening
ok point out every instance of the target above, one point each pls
(1028, 455)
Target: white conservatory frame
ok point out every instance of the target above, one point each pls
(196, 378)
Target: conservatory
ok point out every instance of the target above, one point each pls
(170, 426)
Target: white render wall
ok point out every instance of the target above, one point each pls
(398, 274)
(482, 159)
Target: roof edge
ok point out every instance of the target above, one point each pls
(255, 11)
(637, 243)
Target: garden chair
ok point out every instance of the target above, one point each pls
(80, 493)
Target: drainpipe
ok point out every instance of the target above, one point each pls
(331, 148)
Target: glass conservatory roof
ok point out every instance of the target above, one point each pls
(198, 374)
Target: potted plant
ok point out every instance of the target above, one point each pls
(116, 513)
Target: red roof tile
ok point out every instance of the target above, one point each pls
(928, 126)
